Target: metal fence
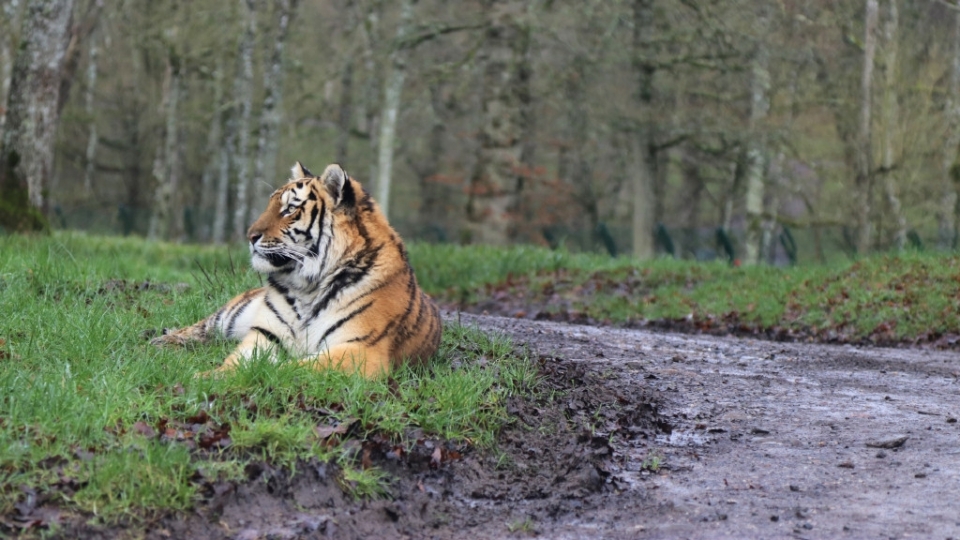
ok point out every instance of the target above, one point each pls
(788, 245)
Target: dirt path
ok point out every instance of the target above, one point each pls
(769, 440)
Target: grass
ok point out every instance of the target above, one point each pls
(893, 298)
(97, 420)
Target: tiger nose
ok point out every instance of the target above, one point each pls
(254, 236)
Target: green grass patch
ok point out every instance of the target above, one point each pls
(95, 418)
(906, 298)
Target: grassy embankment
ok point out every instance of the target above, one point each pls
(888, 299)
(94, 419)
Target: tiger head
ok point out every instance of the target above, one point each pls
(307, 222)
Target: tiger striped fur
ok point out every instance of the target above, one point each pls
(340, 292)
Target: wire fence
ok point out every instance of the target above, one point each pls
(787, 245)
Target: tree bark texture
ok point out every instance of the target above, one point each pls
(88, 106)
(233, 155)
(244, 100)
(948, 165)
(644, 149)
(891, 121)
(864, 178)
(756, 146)
(166, 168)
(268, 136)
(393, 89)
(33, 114)
(493, 186)
(208, 192)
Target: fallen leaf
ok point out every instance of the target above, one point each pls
(435, 458)
(144, 429)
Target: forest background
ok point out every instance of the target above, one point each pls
(755, 129)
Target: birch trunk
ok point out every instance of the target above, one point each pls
(644, 151)
(864, 180)
(947, 217)
(756, 150)
(89, 95)
(890, 122)
(268, 137)
(208, 193)
(393, 89)
(244, 100)
(32, 106)
(493, 185)
(166, 165)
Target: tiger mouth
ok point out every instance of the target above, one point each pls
(277, 259)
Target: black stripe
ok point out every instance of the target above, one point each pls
(273, 308)
(411, 286)
(342, 321)
(358, 339)
(236, 314)
(267, 334)
(351, 273)
(279, 287)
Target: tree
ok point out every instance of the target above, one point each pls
(268, 136)
(756, 147)
(393, 87)
(891, 122)
(948, 164)
(33, 113)
(243, 97)
(493, 192)
(864, 178)
(644, 140)
(233, 151)
(166, 167)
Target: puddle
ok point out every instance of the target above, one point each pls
(683, 438)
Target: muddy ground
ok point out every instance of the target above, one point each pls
(641, 434)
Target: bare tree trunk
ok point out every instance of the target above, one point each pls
(89, 95)
(370, 116)
(11, 10)
(891, 122)
(578, 170)
(244, 100)
(208, 194)
(231, 157)
(493, 185)
(864, 179)
(166, 167)
(947, 217)
(32, 106)
(268, 137)
(345, 110)
(757, 150)
(644, 151)
(433, 193)
(393, 88)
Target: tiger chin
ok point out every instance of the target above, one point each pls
(340, 291)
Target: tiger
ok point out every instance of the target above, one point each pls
(340, 291)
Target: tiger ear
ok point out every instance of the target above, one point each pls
(334, 178)
(299, 171)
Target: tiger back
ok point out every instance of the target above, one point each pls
(340, 291)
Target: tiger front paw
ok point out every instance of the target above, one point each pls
(170, 336)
